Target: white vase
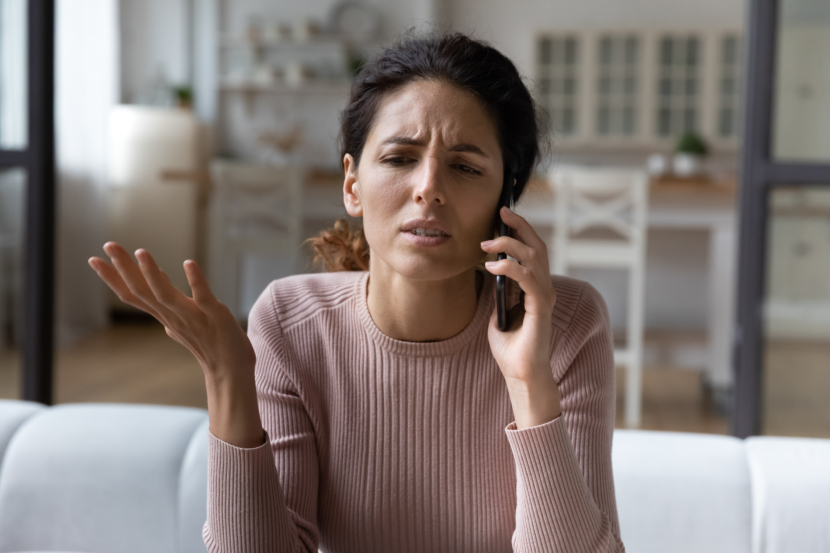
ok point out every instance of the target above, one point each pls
(657, 165)
(686, 165)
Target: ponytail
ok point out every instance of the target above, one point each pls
(341, 249)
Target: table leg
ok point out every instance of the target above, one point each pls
(722, 265)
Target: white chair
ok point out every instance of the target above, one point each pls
(255, 209)
(607, 207)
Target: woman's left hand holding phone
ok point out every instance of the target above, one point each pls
(204, 326)
(523, 351)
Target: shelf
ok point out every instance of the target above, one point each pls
(312, 85)
(237, 42)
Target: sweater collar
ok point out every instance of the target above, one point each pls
(426, 349)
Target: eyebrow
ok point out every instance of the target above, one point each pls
(407, 141)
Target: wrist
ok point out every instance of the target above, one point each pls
(534, 403)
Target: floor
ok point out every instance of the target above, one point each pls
(137, 363)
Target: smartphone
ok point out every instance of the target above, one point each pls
(503, 284)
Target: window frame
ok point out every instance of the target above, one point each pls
(38, 160)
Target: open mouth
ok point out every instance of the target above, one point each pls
(427, 232)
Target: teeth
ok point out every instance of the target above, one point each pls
(427, 232)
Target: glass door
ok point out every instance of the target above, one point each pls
(783, 331)
(27, 198)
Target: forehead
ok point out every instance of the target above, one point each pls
(435, 110)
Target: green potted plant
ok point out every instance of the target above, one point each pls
(184, 96)
(689, 154)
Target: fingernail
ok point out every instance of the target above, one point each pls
(489, 263)
(507, 208)
(487, 243)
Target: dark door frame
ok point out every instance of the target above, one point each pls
(759, 174)
(38, 160)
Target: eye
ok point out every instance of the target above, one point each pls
(396, 160)
(467, 169)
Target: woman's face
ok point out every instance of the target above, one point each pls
(429, 181)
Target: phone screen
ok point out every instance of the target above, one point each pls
(504, 285)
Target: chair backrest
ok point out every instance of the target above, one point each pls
(255, 210)
(251, 200)
(613, 199)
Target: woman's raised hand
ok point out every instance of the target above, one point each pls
(202, 324)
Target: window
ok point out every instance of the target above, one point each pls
(678, 86)
(558, 81)
(728, 86)
(640, 88)
(617, 85)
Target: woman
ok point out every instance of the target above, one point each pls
(382, 409)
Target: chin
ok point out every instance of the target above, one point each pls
(423, 267)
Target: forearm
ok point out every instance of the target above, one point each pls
(233, 410)
(536, 402)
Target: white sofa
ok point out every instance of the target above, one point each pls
(118, 478)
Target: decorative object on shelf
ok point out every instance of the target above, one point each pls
(276, 31)
(657, 164)
(306, 30)
(184, 96)
(297, 74)
(264, 75)
(354, 22)
(690, 151)
(280, 146)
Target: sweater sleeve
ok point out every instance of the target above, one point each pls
(565, 486)
(265, 498)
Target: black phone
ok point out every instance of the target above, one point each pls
(502, 284)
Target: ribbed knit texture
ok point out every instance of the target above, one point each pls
(380, 445)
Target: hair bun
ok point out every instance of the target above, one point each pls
(341, 249)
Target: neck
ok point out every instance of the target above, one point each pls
(421, 310)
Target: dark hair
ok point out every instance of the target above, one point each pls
(454, 58)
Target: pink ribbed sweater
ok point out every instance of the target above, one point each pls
(380, 445)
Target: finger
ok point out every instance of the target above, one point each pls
(164, 291)
(131, 274)
(202, 294)
(113, 279)
(524, 254)
(538, 299)
(524, 231)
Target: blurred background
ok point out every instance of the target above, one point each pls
(206, 129)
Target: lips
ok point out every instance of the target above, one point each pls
(426, 227)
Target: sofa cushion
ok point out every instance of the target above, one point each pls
(96, 478)
(682, 492)
(193, 493)
(13, 414)
(790, 494)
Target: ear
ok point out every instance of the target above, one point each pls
(351, 188)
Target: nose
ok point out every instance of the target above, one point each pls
(429, 187)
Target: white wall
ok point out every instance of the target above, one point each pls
(86, 86)
(154, 36)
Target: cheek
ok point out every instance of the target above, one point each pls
(481, 215)
(381, 206)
